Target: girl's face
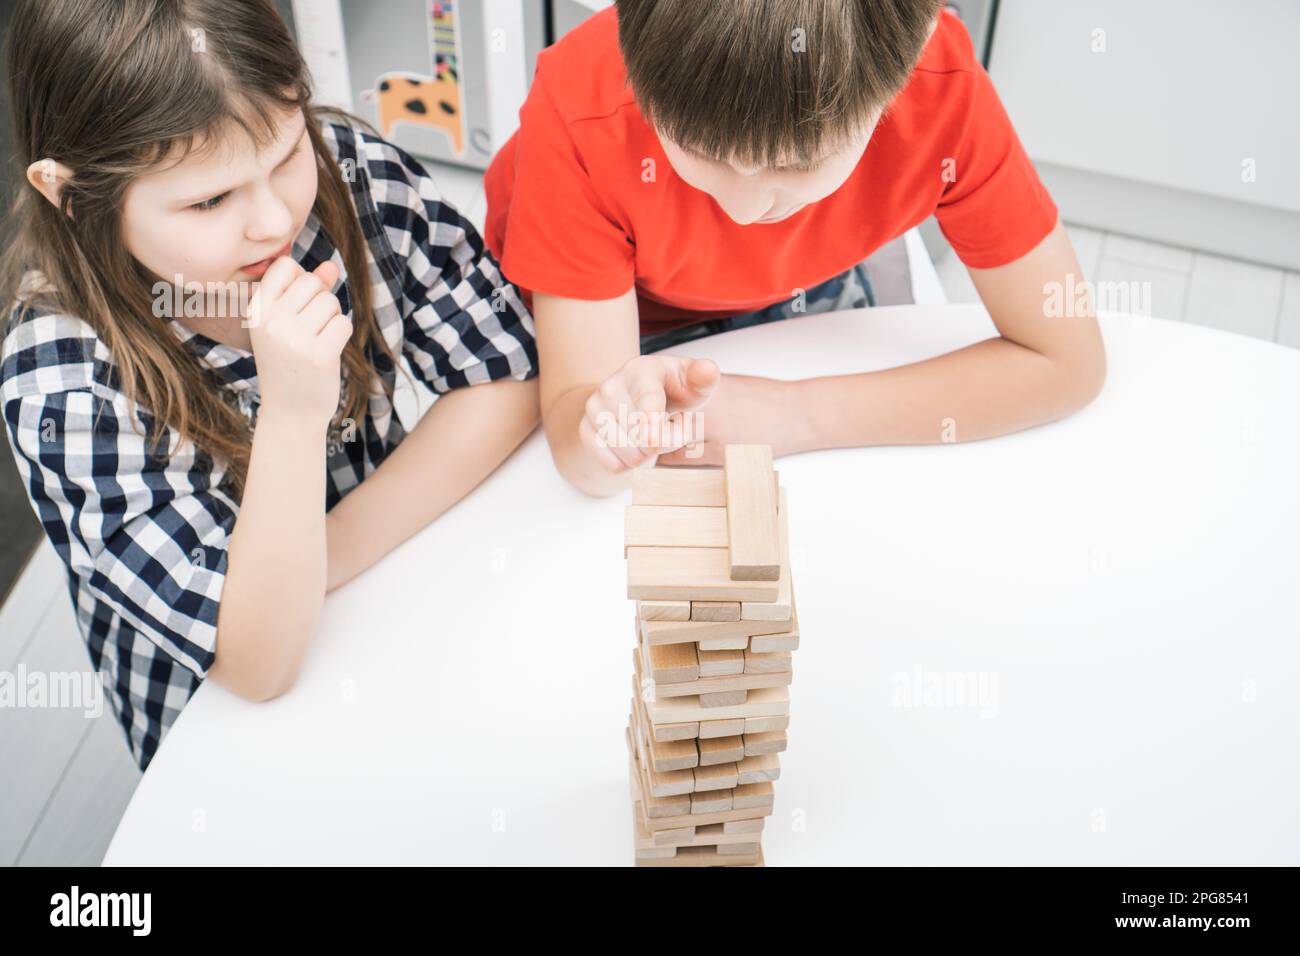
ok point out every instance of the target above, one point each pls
(766, 195)
(221, 214)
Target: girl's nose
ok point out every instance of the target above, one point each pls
(271, 218)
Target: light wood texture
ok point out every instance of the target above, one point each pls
(719, 685)
(663, 610)
(768, 742)
(753, 796)
(758, 768)
(711, 632)
(720, 750)
(753, 540)
(760, 725)
(715, 611)
(710, 729)
(646, 526)
(764, 702)
(721, 776)
(753, 825)
(780, 608)
(776, 662)
(723, 698)
(669, 487)
(721, 663)
(671, 663)
(690, 574)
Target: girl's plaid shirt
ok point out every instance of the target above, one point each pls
(144, 538)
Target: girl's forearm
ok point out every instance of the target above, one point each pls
(991, 388)
(275, 578)
(459, 442)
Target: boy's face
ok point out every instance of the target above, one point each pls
(214, 214)
(768, 194)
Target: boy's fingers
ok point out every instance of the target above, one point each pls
(606, 457)
(693, 384)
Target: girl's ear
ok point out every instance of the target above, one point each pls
(49, 178)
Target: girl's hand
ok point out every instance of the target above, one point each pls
(298, 332)
(643, 410)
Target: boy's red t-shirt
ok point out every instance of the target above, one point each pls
(569, 212)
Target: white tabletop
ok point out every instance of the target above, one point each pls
(1119, 588)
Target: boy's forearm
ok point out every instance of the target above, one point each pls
(275, 579)
(991, 388)
(572, 459)
(459, 442)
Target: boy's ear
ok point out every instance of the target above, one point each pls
(49, 178)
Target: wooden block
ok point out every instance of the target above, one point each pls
(683, 731)
(698, 856)
(753, 796)
(682, 836)
(663, 610)
(760, 725)
(712, 729)
(674, 806)
(725, 644)
(647, 526)
(712, 835)
(656, 824)
(717, 686)
(776, 662)
(673, 663)
(656, 853)
(671, 755)
(724, 698)
(758, 768)
(700, 632)
(743, 827)
(738, 849)
(721, 663)
(721, 776)
(753, 539)
(763, 702)
(690, 574)
(715, 611)
(768, 742)
(785, 640)
(781, 608)
(716, 750)
(686, 487)
(711, 801)
(660, 784)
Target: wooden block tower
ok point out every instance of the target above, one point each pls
(708, 564)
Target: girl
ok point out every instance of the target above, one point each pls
(210, 464)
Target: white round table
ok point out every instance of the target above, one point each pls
(1078, 644)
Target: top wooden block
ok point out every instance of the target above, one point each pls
(753, 538)
(681, 487)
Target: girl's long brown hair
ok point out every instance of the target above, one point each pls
(108, 88)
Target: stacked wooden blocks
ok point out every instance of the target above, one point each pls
(708, 563)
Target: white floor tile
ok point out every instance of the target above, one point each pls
(1235, 296)
(1163, 290)
(1141, 252)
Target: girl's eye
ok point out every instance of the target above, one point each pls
(212, 203)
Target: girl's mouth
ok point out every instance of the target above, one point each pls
(261, 265)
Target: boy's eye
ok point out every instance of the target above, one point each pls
(212, 203)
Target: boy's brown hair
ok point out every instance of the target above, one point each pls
(768, 82)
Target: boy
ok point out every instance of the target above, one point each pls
(679, 163)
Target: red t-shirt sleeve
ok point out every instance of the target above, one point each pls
(559, 237)
(996, 209)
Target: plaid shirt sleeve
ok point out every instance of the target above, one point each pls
(146, 534)
(464, 322)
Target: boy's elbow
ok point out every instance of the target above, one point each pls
(1085, 382)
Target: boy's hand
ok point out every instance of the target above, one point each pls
(637, 413)
(298, 332)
